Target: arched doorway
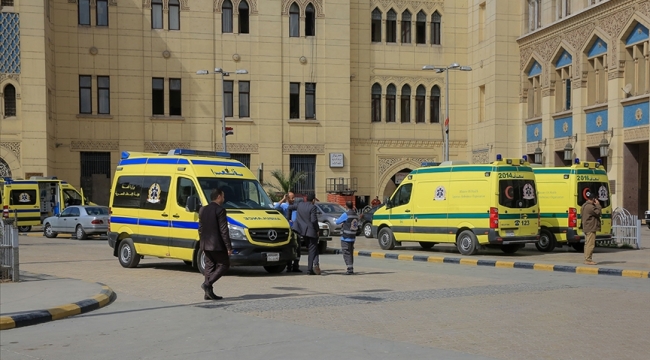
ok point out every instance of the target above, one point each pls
(5, 171)
(394, 182)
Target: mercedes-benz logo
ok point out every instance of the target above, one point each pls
(272, 234)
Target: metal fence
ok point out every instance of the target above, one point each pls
(9, 269)
(626, 228)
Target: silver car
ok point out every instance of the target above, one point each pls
(80, 221)
(328, 212)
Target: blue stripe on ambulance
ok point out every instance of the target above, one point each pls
(165, 223)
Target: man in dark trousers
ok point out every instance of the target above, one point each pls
(214, 241)
(283, 205)
(590, 213)
(350, 221)
(306, 225)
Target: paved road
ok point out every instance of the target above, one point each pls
(392, 308)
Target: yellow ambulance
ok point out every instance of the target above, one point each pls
(472, 206)
(31, 201)
(154, 204)
(562, 192)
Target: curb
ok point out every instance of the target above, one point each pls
(502, 264)
(105, 297)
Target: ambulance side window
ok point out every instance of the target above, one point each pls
(155, 190)
(184, 189)
(127, 192)
(402, 195)
(22, 197)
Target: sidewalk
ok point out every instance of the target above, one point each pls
(39, 298)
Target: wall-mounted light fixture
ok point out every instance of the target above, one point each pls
(539, 153)
(568, 148)
(604, 144)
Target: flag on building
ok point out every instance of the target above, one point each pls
(447, 125)
(229, 131)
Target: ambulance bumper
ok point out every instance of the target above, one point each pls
(112, 239)
(247, 254)
(494, 238)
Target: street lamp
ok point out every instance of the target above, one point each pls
(604, 144)
(568, 149)
(439, 70)
(223, 97)
(539, 153)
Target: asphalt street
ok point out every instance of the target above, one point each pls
(390, 309)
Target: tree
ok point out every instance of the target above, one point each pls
(284, 182)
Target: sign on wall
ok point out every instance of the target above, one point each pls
(336, 160)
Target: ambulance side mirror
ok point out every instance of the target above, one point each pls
(389, 204)
(193, 203)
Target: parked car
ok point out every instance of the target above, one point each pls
(328, 213)
(366, 222)
(81, 221)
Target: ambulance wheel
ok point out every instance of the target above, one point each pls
(48, 232)
(80, 233)
(200, 261)
(510, 249)
(275, 269)
(467, 243)
(546, 241)
(579, 247)
(426, 245)
(24, 228)
(386, 239)
(322, 247)
(127, 255)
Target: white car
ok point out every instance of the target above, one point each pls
(80, 221)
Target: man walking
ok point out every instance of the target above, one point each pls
(350, 221)
(306, 225)
(283, 205)
(214, 240)
(590, 212)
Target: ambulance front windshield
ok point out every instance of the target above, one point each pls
(517, 194)
(239, 193)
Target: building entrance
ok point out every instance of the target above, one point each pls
(635, 177)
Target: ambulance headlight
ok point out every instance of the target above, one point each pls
(236, 232)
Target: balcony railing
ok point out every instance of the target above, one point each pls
(343, 186)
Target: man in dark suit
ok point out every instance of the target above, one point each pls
(306, 225)
(214, 240)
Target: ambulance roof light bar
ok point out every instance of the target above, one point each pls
(499, 157)
(191, 152)
(577, 161)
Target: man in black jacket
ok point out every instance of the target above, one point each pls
(214, 240)
(306, 225)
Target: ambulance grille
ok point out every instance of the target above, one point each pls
(267, 235)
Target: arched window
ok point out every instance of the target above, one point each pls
(294, 20)
(435, 104)
(406, 27)
(436, 19)
(243, 17)
(421, 28)
(420, 94)
(9, 95)
(226, 17)
(174, 15)
(391, 26)
(391, 94)
(376, 103)
(375, 32)
(310, 20)
(405, 104)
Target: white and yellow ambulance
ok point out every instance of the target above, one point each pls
(31, 201)
(472, 206)
(562, 192)
(155, 201)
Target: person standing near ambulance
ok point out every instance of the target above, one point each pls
(591, 211)
(350, 221)
(214, 240)
(283, 205)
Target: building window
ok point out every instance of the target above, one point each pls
(534, 15)
(307, 165)
(102, 12)
(406, 27)
(481, 103)
(294, 20)
(244, 99)
(563, 88)
(310, 20)
(436, 20)
(242, 158)
(421, 28)
(85, 95)
(174, 15)
(9, 95)
(243, 18)
(597, 79)
(310, 100)
(481, 22)
(391, 26)
(156, 14)
(228, 98)
(158, 96)
(226, 17)
(637, 65)
(103, 95)
(534, 96)
(175, 97)
(7, 3)
(420, 94)
(391, 95)
(294, 100)
(83, 7)
(376, 103)
(405, 104)
(376, 26)
(435, 104)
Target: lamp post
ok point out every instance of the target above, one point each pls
(439, 70)
(223, 97)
